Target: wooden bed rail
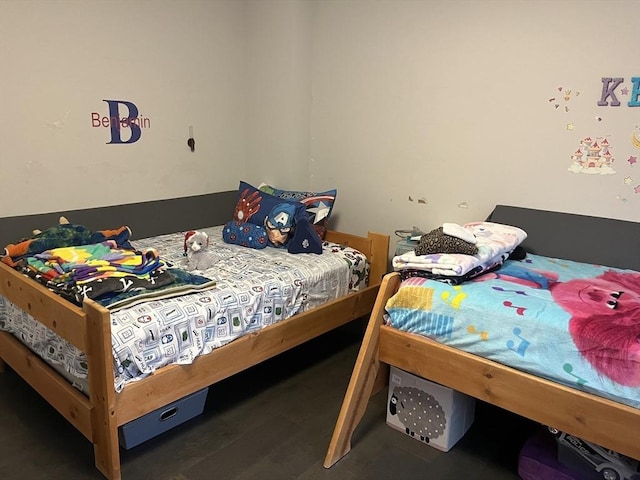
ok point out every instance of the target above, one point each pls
(549, 403)
(60, 394)
(374, 242)
(43, 304)
(178, 381)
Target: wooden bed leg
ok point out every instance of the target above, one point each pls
(3, 366)
(368, 377)
(104, 424)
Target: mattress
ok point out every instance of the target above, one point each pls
(573, 323)
(248, 290)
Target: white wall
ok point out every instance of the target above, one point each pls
(180, 62)
(278, 92)
(447, 103)
(419, 112)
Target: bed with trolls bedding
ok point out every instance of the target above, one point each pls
(541, 317)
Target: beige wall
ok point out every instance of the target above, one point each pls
(447, 102)
(180, 62)
(419, 112)
(278, 92)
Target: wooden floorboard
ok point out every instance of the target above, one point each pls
(271, 422)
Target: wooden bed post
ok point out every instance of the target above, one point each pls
(375, 246)
(379, 265)
(369, 376)
(102, 395)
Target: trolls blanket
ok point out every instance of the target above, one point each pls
(574, 323)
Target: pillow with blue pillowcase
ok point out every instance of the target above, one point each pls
(273, 215)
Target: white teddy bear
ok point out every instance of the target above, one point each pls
(199, 257)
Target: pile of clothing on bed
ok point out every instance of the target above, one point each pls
(455, 253)
(77, 263)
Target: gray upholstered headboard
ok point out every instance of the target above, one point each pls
(144, 219)
(605, 241)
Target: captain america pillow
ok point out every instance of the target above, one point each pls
(279, 217)
(317, 204)
(253, 205)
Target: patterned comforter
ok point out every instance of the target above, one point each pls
(573, 323)
(252, 289)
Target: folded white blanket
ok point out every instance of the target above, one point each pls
(495, 242)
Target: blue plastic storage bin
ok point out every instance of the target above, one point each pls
(159, 421)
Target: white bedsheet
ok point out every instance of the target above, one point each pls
(254, 289)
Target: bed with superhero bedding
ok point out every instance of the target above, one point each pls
(542, 319)
(112, 330)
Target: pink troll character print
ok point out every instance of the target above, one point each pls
(605, 322)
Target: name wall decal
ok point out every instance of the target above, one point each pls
(609, 85)
(116, 121)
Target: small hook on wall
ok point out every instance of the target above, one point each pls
(191, 142)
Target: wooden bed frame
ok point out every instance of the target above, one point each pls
(99, 415)
(605, 422)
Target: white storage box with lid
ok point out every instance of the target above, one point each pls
(159, 421)
(428, 411)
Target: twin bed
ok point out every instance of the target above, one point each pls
(579, 374)
(105, 377)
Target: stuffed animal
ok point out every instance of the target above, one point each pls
(61, 221)
(64, 234)
(196, 249)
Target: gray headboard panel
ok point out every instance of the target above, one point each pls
(605, 241)
(145, 219)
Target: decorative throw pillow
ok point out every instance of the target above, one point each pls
(254, 206)
(438, 242)
(281, 219)
(317, 204)
(245, 234)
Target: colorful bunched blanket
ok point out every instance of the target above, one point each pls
(78, 264)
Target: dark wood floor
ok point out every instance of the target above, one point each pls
(271, 422)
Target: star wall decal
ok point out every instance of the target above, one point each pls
(632, 160)
(637, 189)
